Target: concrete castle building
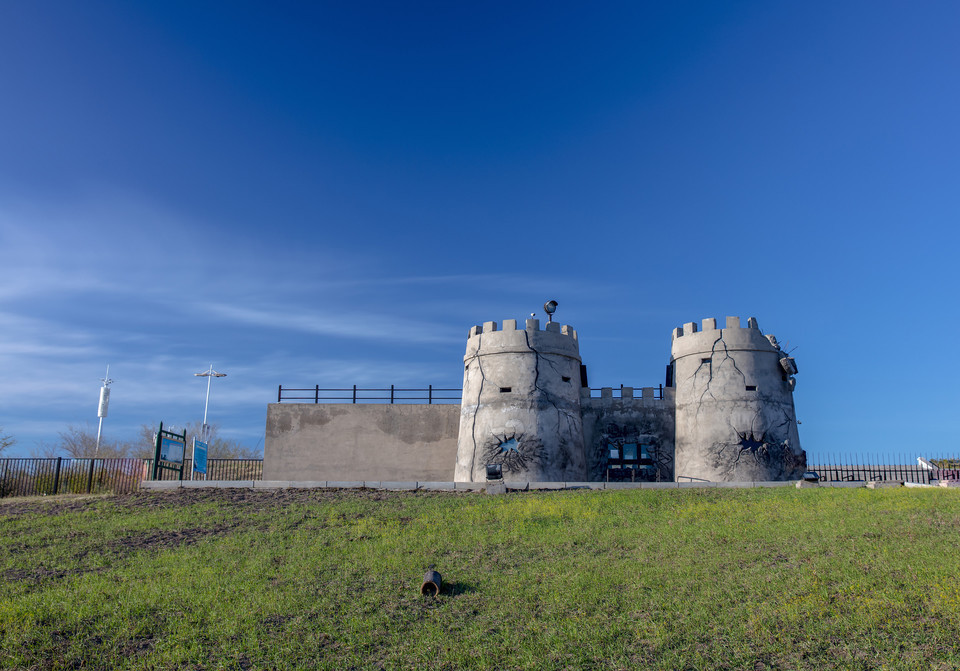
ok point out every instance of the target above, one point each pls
(725, 414)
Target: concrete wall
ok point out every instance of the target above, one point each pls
(613, 420)
(360, 442)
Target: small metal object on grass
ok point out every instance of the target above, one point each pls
(431, 584)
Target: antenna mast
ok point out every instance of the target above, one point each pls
(102, 408)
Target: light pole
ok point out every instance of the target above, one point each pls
(102, 407)
(209, 374)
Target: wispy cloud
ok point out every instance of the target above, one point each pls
(343, 324)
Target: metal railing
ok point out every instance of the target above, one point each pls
(60, 475)
(217, 469)
(431, 394)
(65, 475)
(832, 471)
(355, 394)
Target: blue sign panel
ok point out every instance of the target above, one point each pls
(171, 450)
(199, 456)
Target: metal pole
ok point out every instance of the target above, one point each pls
(96, 450)
(156, 452)
(206, 403)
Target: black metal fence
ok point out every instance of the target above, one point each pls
(356, 394)
(64, 475)
(31, 477)
(860, 469)
(217, 469)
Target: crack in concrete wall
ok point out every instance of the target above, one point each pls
(473, 428)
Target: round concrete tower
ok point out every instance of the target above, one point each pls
(521, 404)
(734, 405)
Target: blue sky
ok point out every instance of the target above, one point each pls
(317, 193)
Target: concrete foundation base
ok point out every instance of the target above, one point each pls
(496, 487)
(884, 484)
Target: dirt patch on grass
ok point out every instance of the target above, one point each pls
(244, 498)
(49, 505)
(117, 549)
(250, 499)
(39, 574)
(162, 539)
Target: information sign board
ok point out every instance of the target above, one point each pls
(199, 456)
(171, 450)
(168, 452)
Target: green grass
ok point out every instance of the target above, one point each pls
(663, 579)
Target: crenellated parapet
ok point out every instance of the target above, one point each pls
(553, 339)
(694, 338)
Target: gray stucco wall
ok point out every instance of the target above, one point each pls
(360, 442)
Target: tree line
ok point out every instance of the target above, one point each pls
(80, 441)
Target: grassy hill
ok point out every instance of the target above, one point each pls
(705, 579)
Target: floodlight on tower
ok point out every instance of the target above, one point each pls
(550, 307)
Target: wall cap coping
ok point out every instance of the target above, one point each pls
(437, 486)
(481, 486)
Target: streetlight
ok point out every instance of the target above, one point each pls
(209, 374)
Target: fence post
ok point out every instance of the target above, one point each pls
(279, 393)
(156, 451)
(354, 393)
(391, 394)
(430, 394)
(316, 395)
(56, 476)
(90, 477)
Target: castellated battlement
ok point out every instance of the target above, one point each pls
(623, 397)
(554, 339)
(693, 338)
